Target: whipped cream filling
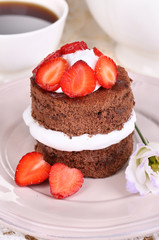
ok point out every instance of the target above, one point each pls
(60, 141)
(86, 55)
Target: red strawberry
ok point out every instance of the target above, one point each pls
(49, 57)
(79, 80)
(49, 74)
(53, 55)
(64, 181)
(97, 52)
(73, 47)
(32, 169)
(106, 72)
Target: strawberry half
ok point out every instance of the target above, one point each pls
(106, 71)
(73, 47)
(64, 181)
(32, 169)
(49, 75)
(97, 52)
(79, 80)
(49, 57)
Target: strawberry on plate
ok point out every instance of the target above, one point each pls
(73, 47)
(32, 169)
(106, 71)
(79, 80)
(49, 74)
(64, 181)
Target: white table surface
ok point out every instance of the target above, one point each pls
(75, 29)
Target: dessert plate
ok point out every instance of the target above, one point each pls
(102, 209)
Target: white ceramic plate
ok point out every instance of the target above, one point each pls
(102, 209)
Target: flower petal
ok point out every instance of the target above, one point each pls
(140, 173)
(151, 185)
(131, 187)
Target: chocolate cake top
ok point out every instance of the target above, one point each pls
(99, 112)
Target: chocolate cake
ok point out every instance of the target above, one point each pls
(100, 112)
(95, 164)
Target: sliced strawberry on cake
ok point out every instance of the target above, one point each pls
(97, 52)
(73, 47)
(79, 80)
(49, 57)
(106, 71)
(49, 74)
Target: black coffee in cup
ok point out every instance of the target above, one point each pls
(21, 17)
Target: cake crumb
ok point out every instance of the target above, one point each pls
(90, 135)
(28, 237)
(8, 233)
(148, 238)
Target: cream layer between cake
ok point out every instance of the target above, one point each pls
(60, 141)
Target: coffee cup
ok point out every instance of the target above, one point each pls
(24, 50)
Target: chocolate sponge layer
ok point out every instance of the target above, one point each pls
(99, 112)
(96, 164)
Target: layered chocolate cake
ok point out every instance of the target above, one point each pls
(88, 126)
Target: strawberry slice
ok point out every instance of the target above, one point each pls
(64, 181)
(97, 52)
(32, 169)
(106, 71)
(73, 47)
(49, 75)
(79, 80)
(49, 57)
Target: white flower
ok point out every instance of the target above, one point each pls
(142, 173)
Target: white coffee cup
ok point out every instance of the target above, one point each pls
(22, 51)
